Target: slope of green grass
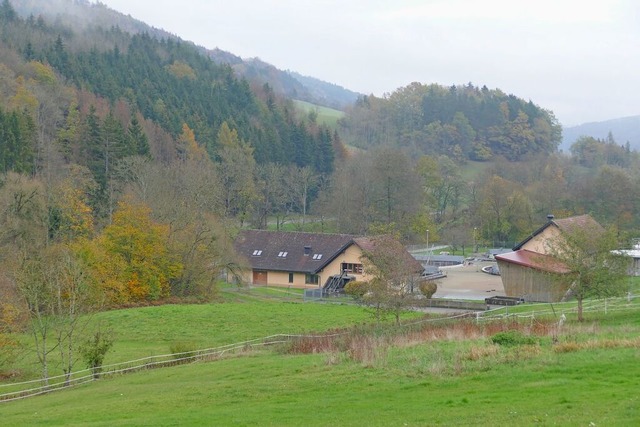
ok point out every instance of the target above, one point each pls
(326, 116)
(151, 331)
(446, 374)
(424, 384)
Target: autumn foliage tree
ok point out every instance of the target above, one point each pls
(134, 249)
(10, 322)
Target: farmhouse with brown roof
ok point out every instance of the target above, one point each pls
(304, 260)
(528, 271)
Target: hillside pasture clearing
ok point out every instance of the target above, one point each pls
(327, 116)
(150, 331)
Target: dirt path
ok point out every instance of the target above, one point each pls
(468, 283)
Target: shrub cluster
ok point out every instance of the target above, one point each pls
(356, 289)
(428, 288)
(512, 338)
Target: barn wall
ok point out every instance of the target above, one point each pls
(530, 284)
(351, 255)
(540, 243)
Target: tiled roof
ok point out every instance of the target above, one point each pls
(585, 222)
(582, 222)
(305, 252)
(533, 260)
(285, 251)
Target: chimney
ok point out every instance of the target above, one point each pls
(550, 217)
(307, 250)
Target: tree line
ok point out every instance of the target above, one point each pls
(462, 122)
(498, 203)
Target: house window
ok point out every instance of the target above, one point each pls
(311, 279)
(317, 256)
(282, 254)
(290, 277)
(257, 252)
(348, 267)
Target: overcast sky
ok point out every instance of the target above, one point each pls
(578, 58)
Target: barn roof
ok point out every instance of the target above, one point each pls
(582, 222)
(306, 252)
(568, 225)
(533, 260)
(290, 251)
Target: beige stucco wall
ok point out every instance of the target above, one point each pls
(277, 278)
(540, 243)
(351, 256)
(281, 278)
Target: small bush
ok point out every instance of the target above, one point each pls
(183, 349)
(428, 288)
(95, 349)
(334, 358)
(356, 289)
(512, 338)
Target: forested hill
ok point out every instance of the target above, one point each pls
(167, 81)
(135, 157)
(462, 122)
(80, 14)
(287, 83)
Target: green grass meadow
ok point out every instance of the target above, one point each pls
(598, 387)
(327, 116)
(445, 373)
(151, 331)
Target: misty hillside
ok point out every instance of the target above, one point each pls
(94, 73)
(82, 14)
(626, 129)
(327, 94)
(287, 83)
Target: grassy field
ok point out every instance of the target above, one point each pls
(569, 389)
(326, 116)
(151, 331)
(444, 373)
(311, 226)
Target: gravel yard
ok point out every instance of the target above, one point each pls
(468, 283)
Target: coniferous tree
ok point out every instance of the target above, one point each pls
(7, 12)
(137, 139)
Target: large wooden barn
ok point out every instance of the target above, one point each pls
(528, 271)
(307, 260)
